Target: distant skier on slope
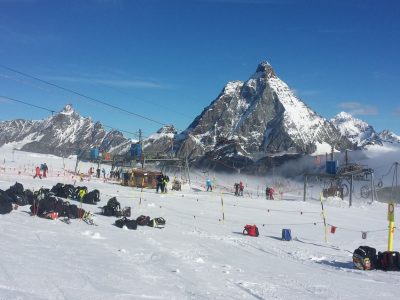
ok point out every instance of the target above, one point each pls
(209, 185)
(38, 173)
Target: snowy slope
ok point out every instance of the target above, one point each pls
(196, 256)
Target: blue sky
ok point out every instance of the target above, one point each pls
(167, 60)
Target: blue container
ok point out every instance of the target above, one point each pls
(286, 235)
(94, 153)
(331, 166)
(136, 150)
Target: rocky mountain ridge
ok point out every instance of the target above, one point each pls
(257, 118)
(62, 134)
(360, 132)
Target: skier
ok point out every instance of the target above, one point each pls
(209, 185)
(98, 173)
(236, 186)
(45, 170)
(37, 173)
(160, 180)
(241, 188)
(271, 193)
(104, 173)
(165, 182)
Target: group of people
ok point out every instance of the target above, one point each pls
(102, 172)
(43, 169)
(239, 187)
(98, 171)
(115, 174)
(269, 193)
(162, 181)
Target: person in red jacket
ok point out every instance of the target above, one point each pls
(38, 173)
(241, 188)
(271, 193)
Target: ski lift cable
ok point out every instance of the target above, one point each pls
(26, 103)
(81, 95)
(30, 83)
(125, 131)
(53, 111)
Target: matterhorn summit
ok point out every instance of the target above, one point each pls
(260, 116)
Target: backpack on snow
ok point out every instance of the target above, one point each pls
(92, 197)
(16, 193)
(143, 220)
(389, 260)
(125, 212)
(17, 189)
(112, 208)
(5, 203)
(157, 222)
(251, 230)
(364, 258)
(130, 224)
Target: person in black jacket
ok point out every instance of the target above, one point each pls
(160, 183)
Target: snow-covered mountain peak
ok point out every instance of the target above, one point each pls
(265, 70)
(259, 116)
(388, 136)
(167, 129)
(344, 116)
(349, 124)
(67, 110)
(232, 87)
(354, 129)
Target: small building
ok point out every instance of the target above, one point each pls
(140, 178)
(94, 153)
(136, 150)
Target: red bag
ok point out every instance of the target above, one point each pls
(251, 230)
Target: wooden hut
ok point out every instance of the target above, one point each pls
(140, 178)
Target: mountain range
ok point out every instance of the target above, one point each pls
(361, 133)
(250, 123)
(62, 134)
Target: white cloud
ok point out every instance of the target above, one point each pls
(356, 108)
(126, 83)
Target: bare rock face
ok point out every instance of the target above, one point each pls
(63, 134)
(160, 143)
(263, 117)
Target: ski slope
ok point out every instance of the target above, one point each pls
(198, 255)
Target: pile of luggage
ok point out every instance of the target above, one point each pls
(142, 220)
(366, 258)
(43, 203)
(113, 209)
(80, 193)
(47, 203)
(14, 195)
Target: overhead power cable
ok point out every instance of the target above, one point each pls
(82, 95)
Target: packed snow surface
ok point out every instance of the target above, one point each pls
(201, 253)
